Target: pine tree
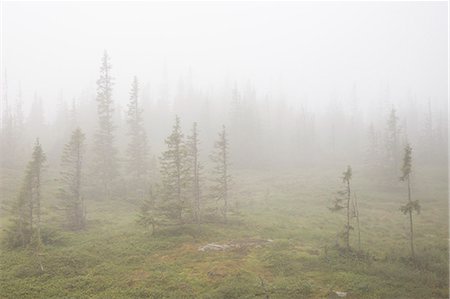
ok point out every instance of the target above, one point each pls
(37, 164)
(195, 168)
(343, 201)
(137, 147)
(411, 205)
(106, 162)
(148, 213)
(356, 215)
(26, 226)
(174, 173)
(221, 159)
(72, 163)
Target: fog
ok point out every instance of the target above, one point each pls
(303, 50)
(224, 149)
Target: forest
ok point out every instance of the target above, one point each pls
(181, 190)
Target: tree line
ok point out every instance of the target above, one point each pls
(172, 188)
(177, 198)
(268, 129)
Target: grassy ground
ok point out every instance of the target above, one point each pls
(115, 258)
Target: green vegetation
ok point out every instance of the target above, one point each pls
(116, 258)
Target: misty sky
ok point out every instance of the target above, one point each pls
(308, 50)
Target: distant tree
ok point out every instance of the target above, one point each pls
(36, 117)
(356, 215)
(106, 161)
(72, 163)
(148, 213)
(7, 140)
(195, 167)
(73, 116)
(427, 138)
(174, 173)
(220, 157)
(137, 147)
(392, 139)
(373, 153)
(19, 119)
(342, 201)
(26, 226)
(37, 163)
(411, 205)
(19, 125)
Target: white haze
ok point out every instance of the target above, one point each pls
(309, 52)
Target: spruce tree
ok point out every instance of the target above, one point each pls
(106, 161)
(37, 163)
(220, 157)
(174, 173)
(72, 163)
(195, 168)
(26, 226)
(137, 147)
(411, 205)
(148, 215)
(343, 201)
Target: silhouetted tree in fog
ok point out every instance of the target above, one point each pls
(392, 139)
(222, 178)
(195, 167)
(411, 205)
(72, 163)
(174, 173)
(373, 153)
(106, 160)
(342, 201)
(137, 147)
(26, 226)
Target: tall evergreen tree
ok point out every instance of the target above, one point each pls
(72, 163)
(411, 205)
(26, 227)
(174, 173)
(195, 167)
(343, 201)
(137, 147)
(37, 163)
(106, 161)
(222, 178)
